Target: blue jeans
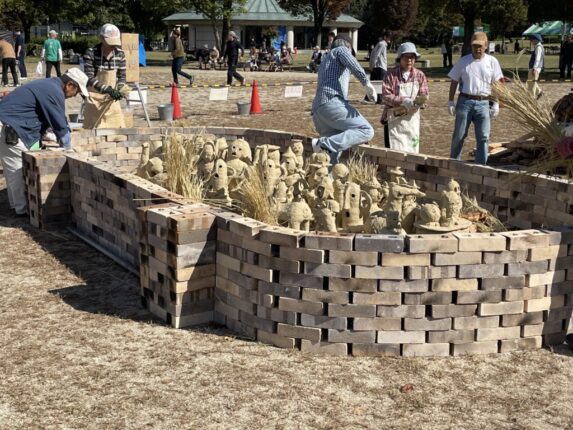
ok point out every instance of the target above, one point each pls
(22, 64)
(340, 127)
(468, 111)
(176, 69)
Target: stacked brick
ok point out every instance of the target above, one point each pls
(388, 295)
(104, 205)
(120, 148)
(177, 266)
(48, 189)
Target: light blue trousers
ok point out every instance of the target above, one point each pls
(468, 111)
(340, 127)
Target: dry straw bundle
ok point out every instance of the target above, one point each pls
(362, 170)
(539, 120)
(180, 162)
(253, 201)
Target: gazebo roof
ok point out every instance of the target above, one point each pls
(263, 12)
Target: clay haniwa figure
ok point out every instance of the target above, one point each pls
(217, 186)
(239, 161)
(265, 152)
(352, 208)
(451, 204)
(297, 148)
(340, 175)
(206, 161)
(297, 213)
(325, 206)
(271, 175)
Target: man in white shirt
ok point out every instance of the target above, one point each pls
(535, 65)
(379, 59)
(379, 62)
(474, 73)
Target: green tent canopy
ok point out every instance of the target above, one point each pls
(549, 28)
(534, 29)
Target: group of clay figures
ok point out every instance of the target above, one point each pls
(314, 194)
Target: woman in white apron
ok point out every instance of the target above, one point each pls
(105, 67)
(404, 92)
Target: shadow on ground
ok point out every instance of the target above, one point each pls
(106, 287)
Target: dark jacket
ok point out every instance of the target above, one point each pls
(33, 108)
(232, 52)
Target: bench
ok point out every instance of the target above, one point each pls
(424, 64)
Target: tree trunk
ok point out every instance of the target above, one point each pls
(224, 35)
(469, 27)
(318, 12)
(218, 42)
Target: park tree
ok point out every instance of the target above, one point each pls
(505, 15)
(396, 16)
(435, 20)
(219, 13)
(317, 10)
(543, 10)
(23, 13)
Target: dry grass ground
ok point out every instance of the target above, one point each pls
(78, 351)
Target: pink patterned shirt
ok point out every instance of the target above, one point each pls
(391, 88)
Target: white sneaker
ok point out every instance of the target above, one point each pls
(23, 79)
(316, 145)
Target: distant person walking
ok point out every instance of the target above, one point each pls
(536, 64)
(20, 48)
(446, 49)
(566, 57)
(8, 56)
(178, 55)
(233, 52)
(379, 59)
(52, 53)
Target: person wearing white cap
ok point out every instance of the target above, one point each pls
(475, 73)
(25, 114)
(105, 66)
(404, 92)
(52, 53)
(339, 124)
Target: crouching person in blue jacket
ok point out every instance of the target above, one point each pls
(25, 115)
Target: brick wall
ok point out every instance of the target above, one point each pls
(327, 293)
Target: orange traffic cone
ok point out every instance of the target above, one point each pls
(175, 102)
(255, 102)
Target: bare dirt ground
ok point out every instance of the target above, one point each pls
(79, 352)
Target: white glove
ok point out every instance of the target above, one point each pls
(370, 91)
(452, 108)
(494, 110)
(408, 103)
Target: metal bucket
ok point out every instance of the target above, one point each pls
(165, 112)
(244, 108)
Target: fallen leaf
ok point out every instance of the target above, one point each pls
(407, 388)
